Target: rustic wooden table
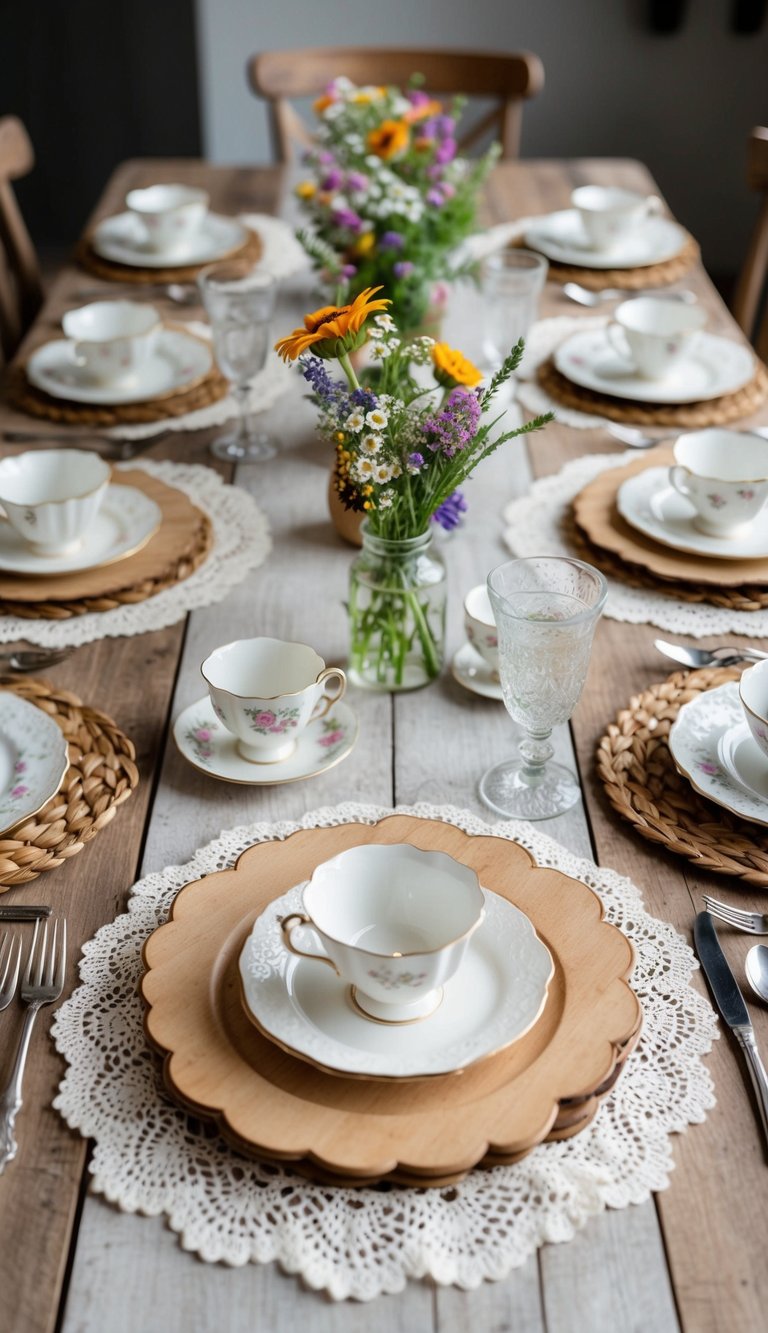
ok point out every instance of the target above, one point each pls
(694, 1256)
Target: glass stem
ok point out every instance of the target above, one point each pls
(536, 752)
(241, 392)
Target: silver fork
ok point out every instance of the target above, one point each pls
(754, 923)
(41, 984)
(10, 962)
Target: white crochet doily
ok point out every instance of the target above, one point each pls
(541, 341)
(241, 542)
(534, 526)
(149, 1157)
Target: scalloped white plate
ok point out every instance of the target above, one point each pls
(121, 239)
(714, 366)
(694, 744)
(34, 757)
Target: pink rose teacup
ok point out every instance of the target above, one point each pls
(480, 626)
(265, 691)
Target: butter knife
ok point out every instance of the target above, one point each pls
(730, 1002)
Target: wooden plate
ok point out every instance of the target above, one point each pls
(595, 512)
(263, 1099)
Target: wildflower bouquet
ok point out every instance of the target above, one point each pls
(403, 451)
(387, 197)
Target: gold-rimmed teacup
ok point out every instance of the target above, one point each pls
(265, 691)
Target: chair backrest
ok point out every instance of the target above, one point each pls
(278, 76)
(751, 288)
(21, 289)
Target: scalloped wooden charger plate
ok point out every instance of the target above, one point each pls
(357, 1131)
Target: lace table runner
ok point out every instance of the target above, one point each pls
(534, 526)
(149, 1157)
(241, 542)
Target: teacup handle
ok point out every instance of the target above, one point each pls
(678, 477)
(288, 924)
(325, 704)
(612, 330)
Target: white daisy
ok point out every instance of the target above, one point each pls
(380, 351)
(384, 500)
(354, 422)
(363, 469)
(383, 473)
(377, 419)
(370, 444)
(385, 322)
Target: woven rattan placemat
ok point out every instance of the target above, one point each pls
(101, 775)
(183, 541)
(87, 258)
(626, 279)
(636, 768)
(23, 396)
(714, 412)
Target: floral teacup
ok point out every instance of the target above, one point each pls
(724, 474)
(394, 922)
(753, 692)
(52, 496)
(265, 691)
(480, 626)
(170, 215)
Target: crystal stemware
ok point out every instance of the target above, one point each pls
(546, 610)
(512, 282)
(239, 300)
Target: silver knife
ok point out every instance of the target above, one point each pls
(730, 1002)
(25, 912)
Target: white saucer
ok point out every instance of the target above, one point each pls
(648, 503)
(126, 521)
(741, 755)
(694, 744)
(561, 236)
(472, 671)
(34, 757)
(121, 239)
(715, 366)
(208, 746)
(180, 361)
(495, 997)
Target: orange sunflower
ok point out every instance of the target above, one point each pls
(333, 330)
(452, 367)
(389, 139)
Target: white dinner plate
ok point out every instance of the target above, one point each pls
(714, 366)
(206, 744)
(180, 361)
(560, 236)
(126, 521)
(648, 503)
(34, 757)
(495, 997)
(694, 744)
(121, 239)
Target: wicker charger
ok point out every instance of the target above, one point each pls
(101, 775)
(23, 396)
(251, 251)
(183, 541)
(626, 279)
(636, 768)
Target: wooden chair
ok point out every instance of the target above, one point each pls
(21, 288)
(508, 79)
(751, 289)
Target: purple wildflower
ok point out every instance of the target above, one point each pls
(417, 97)
(325, 158)
(348, 270)
(314, 371)
(391, 240)
(364, 398)
(449, 513)
(455, 425)
(357, 181)
(333, 180)
(403, 268)
(445, 126)
(435, 197)
(347, 217)
(446, 151)
(415, 461)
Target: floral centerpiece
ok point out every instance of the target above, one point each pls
(386, 195)
(403, 450)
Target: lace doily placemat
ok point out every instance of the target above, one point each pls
(539, 523)
(627, 279)
(150, 1157)
(111, 271)
(101, 775)
(644, 787)
(237, 541)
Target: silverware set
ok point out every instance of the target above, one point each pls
(695, 658)
(42, 982)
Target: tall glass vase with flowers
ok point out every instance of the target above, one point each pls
(403, 451)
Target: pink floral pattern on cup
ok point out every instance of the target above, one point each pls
(272, 722)
(392, 980)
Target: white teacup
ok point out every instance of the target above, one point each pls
(608, 214)
(265, 691)
(480, 625)
(724, 474)
(52, 497)
(654, 333)
(394, 922)
(170, 215)
(753, 692)
(113, 340)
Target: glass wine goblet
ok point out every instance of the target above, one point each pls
(239, 301)
(511, 281)
(546, 609)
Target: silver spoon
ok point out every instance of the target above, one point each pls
(637, 439)
(756, 967)
(583, 295)
(33, 659)
(705, 657)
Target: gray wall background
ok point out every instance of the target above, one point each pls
(683, 103)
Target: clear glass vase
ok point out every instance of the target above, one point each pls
(396, 608)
